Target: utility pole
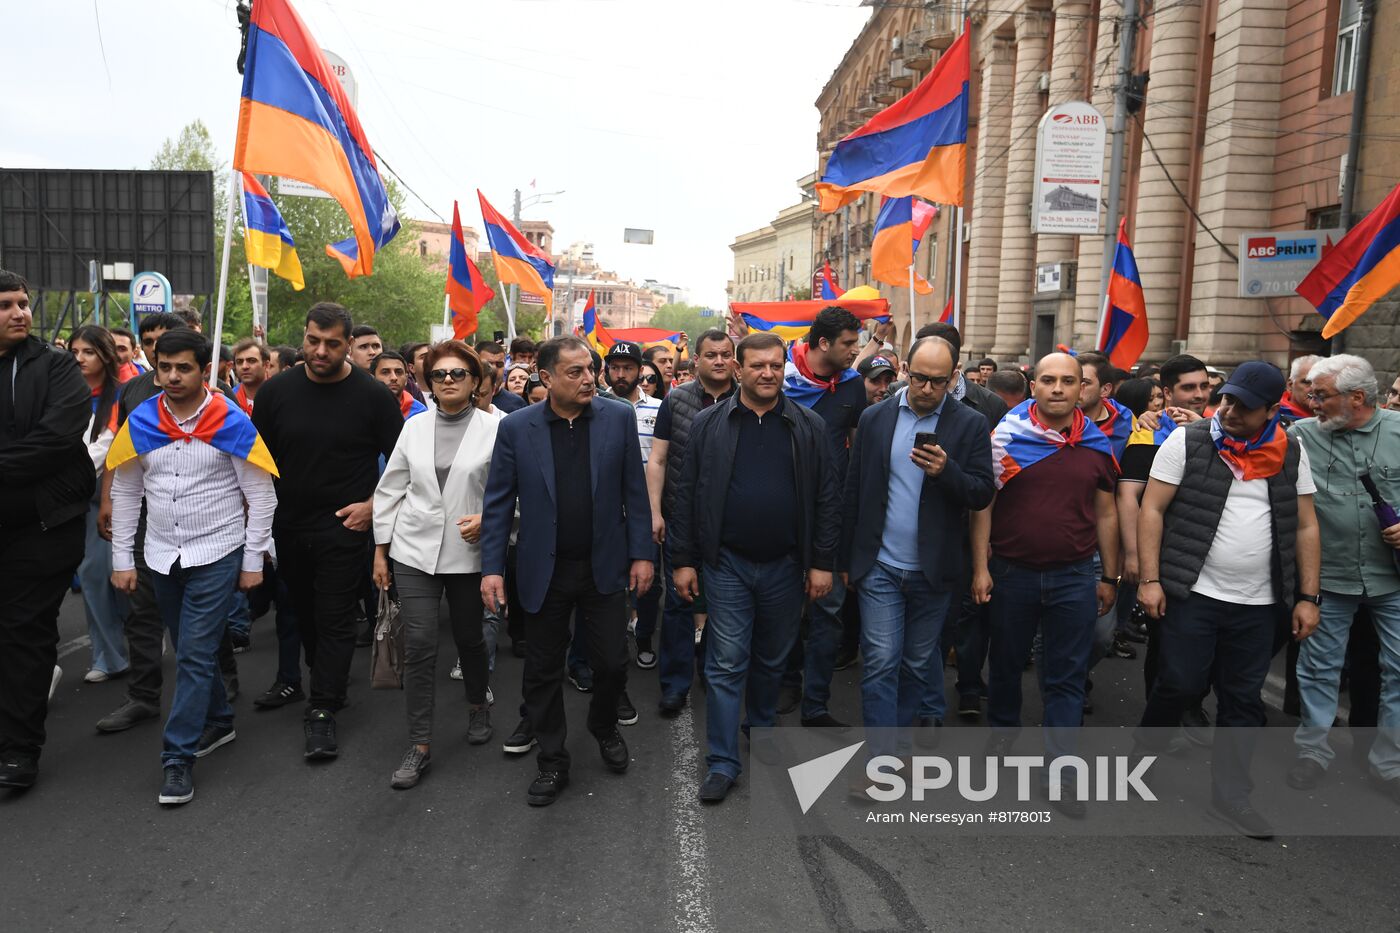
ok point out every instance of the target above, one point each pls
(514, 289)
(782, 276)
(1127, 33)
(846, 247)
(1358, 121)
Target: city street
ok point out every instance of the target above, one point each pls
(272, 843)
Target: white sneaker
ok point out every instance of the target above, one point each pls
(53, 684)
(95, 676)
(456, 670)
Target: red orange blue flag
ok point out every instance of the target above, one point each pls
(899, 226)
(917, 145)
(1123, 327)
(947, 316)
(830, 287)
(294, 120)
(266, 239)
(1021, 440)
(593, 330)
(222, 426)
(1359, 270)
(518, 261)
(467, 291)
(645, 335)
(792, 319)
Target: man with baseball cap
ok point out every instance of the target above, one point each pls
(878, 373)
(1229, 498)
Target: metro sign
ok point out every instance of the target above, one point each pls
(1272, 249)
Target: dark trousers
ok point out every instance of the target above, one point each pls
(515, 616)
(1206, 642)
(145, 638)
(970, 642)
(601, 623)
(420, 595)
(38, 566)
(323, 569)
(1363, 668)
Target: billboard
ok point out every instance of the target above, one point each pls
(1069, 148)
(54, 223)
(1273, 262)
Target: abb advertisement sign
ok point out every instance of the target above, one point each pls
(1069, 149)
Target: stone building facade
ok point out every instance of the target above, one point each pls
(775, 261)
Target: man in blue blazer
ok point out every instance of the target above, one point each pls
(585, 539)
(904, 534)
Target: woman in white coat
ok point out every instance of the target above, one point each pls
(427, 521)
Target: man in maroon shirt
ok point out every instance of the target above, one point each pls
(1033, 548)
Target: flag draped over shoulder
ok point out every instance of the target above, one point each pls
(1021, 440)
(899, 227)
(467, 291)
(1358, 271)
(410, 406)
(792, 319)
(1123, 327)
(222, 426)
(518, 261)
(266, 240)
(802, 385)
(917, 145)
(295, 120)
(1119, 427)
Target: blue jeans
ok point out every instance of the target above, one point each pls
(1204, 639)
(754, 616)
(902, 617)
(813, 660)
(106, 608)
(676, 651)
(240, 617)
(1319, 672)
(194, 604)
(1061, 604)
(969, 640)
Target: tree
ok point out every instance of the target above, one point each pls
(687, 318)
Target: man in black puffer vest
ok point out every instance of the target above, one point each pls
(1219, 580)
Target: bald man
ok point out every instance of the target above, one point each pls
(1033, 551)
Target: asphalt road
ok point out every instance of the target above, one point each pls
(272, 843)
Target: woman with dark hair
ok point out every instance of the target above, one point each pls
(534, 390)
(96, 353)
(1139, 395)
(427, 523)
(651, 380)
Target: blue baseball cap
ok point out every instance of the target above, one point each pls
(1255, 384)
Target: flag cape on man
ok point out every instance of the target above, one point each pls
(1360, 270)
(917, 145)
(1021, 440)
(467, 291)
(518, 261)
(295, 121)
(222, 426)
(266, 240)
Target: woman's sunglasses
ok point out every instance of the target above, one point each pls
(440, 375)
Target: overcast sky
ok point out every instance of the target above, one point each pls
(692, 119)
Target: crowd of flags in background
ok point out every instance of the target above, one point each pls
(295, 121)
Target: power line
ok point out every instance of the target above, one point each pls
(1184, 200)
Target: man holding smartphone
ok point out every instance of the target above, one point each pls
(585, 520)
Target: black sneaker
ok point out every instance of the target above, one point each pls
(18, 771)
(846, 658)
(788, 698)
(241, 643)
(364, 631)
(127, 715)
(1305, 774)
(546, 787)
(521, 740)
(320, 735)
(671, 705)
(479, 727)
(178, 787)
(614, 751)
(1195, 725)
(716, 787)
(1121, 648)
(1134, 632)
(415, 764)
(213, 737)
(279, 695)
(646, 658)
(582, 678)
(1244, 819)
(626, 712)
(970, 706)
(824, 721)
(930, 732)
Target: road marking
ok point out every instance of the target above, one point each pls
(77, 644)
(692, 900)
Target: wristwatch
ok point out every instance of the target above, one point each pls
(1315, 598)
(1111, 581)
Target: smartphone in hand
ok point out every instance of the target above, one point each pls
(925, 439)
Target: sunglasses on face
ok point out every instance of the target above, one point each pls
(440, 375)
(651, 379)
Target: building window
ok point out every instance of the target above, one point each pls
(1325, 218)
(1348, 32)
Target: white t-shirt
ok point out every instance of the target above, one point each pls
(1237, 566)
(646, 408)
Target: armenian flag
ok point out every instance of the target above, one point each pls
(946, 317)
(899, 227)
(266, 239)
(518, 261)
(1020, 441)
(1359, 270)
(1257, 458)
(917, 145)
(1123, 328)
(829, 283)
(1119, 427)
(295, 121)
(792, 319)
(593, 330)
(804, 386)
(644, 336)
(222, 426)
(467, 291)
(410, 406)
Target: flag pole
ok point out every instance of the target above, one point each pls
(446, 311)
(235, 190)
(913, 326)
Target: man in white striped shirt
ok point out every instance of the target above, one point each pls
(198, 544)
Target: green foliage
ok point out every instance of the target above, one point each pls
(684, 317)
(802, 294)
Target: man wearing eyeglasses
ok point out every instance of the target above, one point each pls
(1350, 438)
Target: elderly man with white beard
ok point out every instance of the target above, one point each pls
(1354, 444)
